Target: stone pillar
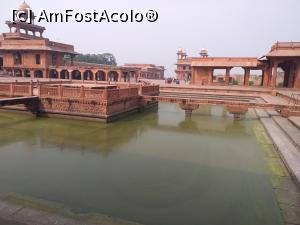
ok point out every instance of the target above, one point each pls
(266, 78)
(58, 73)
(274, 75)
(246, 76)
(45, 73)
(94, 75)
(70, 74)
(193, 76)
(262, 78)
(105, 75)
(82, 75)
(297, 77)
(188, 108)
(31, 88)
(210, 76)
(120, 76)
(22, 72)
(31, 74)
(227, 76)
(291, 75)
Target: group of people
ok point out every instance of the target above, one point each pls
(171, 80)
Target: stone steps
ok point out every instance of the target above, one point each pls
(208, 96)
(285, 146)
(272, 112)
(295, 120)
(290, 130)
(261, 113)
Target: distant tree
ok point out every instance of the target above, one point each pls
(105, 58)
(235, 82)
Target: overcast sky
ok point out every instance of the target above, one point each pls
(223, 27)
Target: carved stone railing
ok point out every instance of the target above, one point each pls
(88, 94)
(16, 89)
(152, 90)
(117, 94)
(48, 91)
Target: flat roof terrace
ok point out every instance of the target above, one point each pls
(86, 85)
(223, 62)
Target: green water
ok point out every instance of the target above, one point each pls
(155, 168)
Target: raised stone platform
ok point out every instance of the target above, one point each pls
(84, 101)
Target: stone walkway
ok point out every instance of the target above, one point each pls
(17, 214)
(288, 151)
(295, 120)
(292, 131)
(285, 188)
(13, 214)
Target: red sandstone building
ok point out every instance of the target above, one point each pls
(284, 55)
(149, 71)
(24, 52)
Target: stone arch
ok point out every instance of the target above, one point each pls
(255, 78)
(219, 75)
(9, 72)
(113, 76)
(88, 75)
(53, 73)
(64, 74)
(237, 76)
(38, 74)
(100, 75)
(76, 75)
(18, 73)
(126, 76)
(27, 73)
(285, 75)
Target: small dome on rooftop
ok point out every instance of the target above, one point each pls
(203, 52)
(24, 6)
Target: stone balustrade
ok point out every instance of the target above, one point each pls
(16, 89)
(85, 102)
(88, 94)
(152, 90)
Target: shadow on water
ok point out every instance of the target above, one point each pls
(81, 135)
(103, 137)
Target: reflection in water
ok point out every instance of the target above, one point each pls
(152, 168)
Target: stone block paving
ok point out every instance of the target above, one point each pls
(15, 214)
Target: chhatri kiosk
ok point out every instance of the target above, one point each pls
(284, 55)
(25, 52)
